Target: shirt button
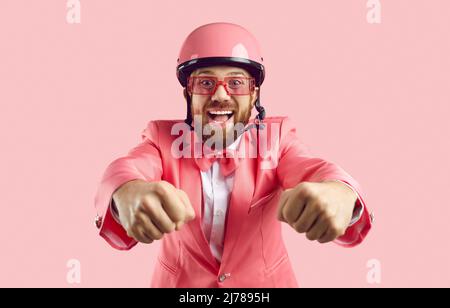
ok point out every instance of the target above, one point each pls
(218, 213)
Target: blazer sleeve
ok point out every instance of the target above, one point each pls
(295, 165)
(142, 162)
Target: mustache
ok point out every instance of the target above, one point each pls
(230, 106)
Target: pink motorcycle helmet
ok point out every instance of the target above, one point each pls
(220, 44)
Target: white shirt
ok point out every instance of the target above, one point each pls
(216, 197)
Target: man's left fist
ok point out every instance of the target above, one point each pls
(321, 210)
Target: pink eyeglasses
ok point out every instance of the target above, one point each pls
(234, 85)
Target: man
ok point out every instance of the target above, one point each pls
(218, 207)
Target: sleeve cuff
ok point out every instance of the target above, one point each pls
(114, 212)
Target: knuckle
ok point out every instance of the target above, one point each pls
(183, 193)
(146, 241)
(324, 204)
(157, 235)
(145, 237)
(139, 218)
(148, 205)
(177, 214)
(134, 224)
(155, 212)
(134, 230)
(180, 225)
(305, 189)
(168, 187)
(161, 189)
(285, 194)
(299, 228)
(310, 236)
(334, 230)
(328, 219)
(288, 213)
(288, 218)
(320, 207)
(165, 183)
(167, 228)
(323, 240)
(163, 225)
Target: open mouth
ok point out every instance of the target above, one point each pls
(220, 116)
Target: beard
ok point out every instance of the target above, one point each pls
(221, 136)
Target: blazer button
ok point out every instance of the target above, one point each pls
(223, 277)
(98, 221)
(372, 217)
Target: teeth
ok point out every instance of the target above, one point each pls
(221, 112)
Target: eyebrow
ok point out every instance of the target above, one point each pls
(211, 72)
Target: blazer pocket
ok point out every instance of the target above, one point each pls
(168, 266)
(263, 200)
(276, 265)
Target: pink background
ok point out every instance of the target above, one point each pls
(373, 98)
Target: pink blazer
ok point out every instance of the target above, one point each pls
(254, 254)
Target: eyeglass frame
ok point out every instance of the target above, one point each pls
(252, 84)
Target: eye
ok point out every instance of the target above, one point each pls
(207, 83)
(236, 82)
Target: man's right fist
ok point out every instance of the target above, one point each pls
(147, 210)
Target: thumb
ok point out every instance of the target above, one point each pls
(190, 213)
(189, 210)
(178, 225)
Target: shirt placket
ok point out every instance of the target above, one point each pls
(219, 212)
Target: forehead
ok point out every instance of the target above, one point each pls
(221, 71)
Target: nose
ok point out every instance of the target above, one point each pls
(220, 94)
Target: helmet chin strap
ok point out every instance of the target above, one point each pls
(261, 111)
(260, 116)
(188, 119)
